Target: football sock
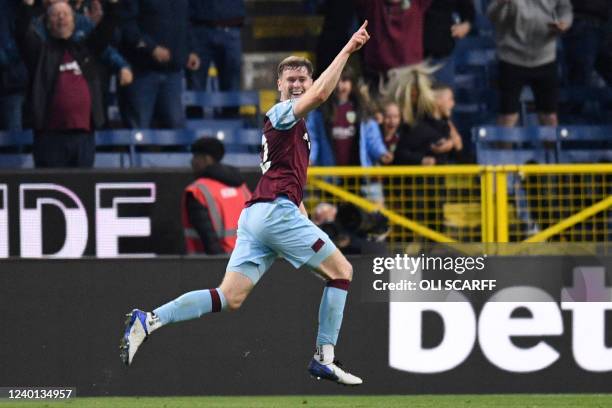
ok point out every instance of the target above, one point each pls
(191, 305)
(330, 313)
(325, 354)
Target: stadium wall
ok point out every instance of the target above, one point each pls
(61, 322)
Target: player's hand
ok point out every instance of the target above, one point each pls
(386, 158)
(193, 62)
(428, 161)
(358, 39)
(161, 54)
(125, 76)
(460, 30)
(28, 2)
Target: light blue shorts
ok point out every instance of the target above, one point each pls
(267, 230)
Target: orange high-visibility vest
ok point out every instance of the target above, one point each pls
(224, 204)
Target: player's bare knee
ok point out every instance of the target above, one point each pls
(342, 270)
(233, 302)
(346, 270)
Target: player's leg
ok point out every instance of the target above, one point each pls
(248, 262)
(338, 273)
(191, 305)
(299, 241)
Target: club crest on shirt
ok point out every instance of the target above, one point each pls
(71, 66)
(351, 116)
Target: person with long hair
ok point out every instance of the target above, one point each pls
(343, 132)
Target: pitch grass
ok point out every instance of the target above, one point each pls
(387, 401)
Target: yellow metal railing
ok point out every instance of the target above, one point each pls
(529, 203)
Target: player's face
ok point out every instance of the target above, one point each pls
(293, 83)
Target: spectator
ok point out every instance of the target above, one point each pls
(213, 202)
(156, 40)
(584, 44)
(85, 21)
(397, 36)
(450, 145)
(445, 22)
(412, 91)
(67, 110)
(339, 23)
(216, 35)
(341, 131)
(390, 126)
(13, 74)
(526, 33)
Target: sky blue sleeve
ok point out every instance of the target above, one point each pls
(281, 115)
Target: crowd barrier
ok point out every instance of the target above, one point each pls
(529, 203)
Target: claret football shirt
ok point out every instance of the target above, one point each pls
(284, 155)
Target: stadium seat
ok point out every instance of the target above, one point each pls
(208, 101)
(15, 149)
(584, 144)
(477, 55)
(500, 145)
(162, 148)
(114, 149)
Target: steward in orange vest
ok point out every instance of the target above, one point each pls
(213, 202)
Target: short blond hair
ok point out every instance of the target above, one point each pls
(294, 62)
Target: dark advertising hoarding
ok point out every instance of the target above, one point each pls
(62, 319)
(74, 213)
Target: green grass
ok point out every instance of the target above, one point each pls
(390, 401)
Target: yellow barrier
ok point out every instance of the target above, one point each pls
(530, 203)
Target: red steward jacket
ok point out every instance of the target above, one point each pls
(224, 204)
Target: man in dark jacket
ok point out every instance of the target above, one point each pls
(213, 202)
(13, 74)
(585, 43)
(65, 96)
(156, 40)
(446, 21)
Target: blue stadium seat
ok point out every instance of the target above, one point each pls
(15, 147)
(500, 145)
(114, 149)
(242, 159)
(162, 148)
(231, 99)
(584, 144)
(16, 138)
(476, 54)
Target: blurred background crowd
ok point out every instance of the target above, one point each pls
(433, 70)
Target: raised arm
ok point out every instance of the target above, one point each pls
(323, 87)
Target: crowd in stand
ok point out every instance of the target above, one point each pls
(394, 106)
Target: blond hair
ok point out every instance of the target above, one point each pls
(405, 81)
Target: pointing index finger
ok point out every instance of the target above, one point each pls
(364, 25)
